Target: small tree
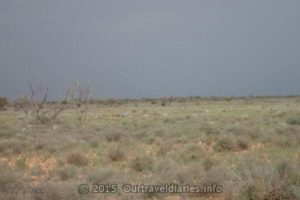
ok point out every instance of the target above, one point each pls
(35, 101)
(79, 97)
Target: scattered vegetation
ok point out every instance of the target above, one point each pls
(250, 146)
(35, 104)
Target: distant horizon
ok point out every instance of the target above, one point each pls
(50, 98)
(55, 98)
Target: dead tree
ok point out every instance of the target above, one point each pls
(34, 103)
(79, 97)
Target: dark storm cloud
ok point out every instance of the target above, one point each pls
(141, 48)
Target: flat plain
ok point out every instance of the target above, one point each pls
(249, 146)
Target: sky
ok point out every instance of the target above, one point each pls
(148, 49)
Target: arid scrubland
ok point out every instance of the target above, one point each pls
(249, 146)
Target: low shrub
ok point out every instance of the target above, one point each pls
(22, 103)
(294, 119)
(169, 171)
(242, 144)
(190, 152)
(169, 121)
(21, 164)
(77, 159)
(113, 135)
(7, 133)
(224, 144)
(55, 191)
(262, 180)
(249, 193)
(163, 147)
(208, 163)
(99, 176)
(12, 146)
(11, 183)
(115, 153)
(142, 163)
(66, 172)
(209, 130)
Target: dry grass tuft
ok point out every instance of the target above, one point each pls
(77, 159)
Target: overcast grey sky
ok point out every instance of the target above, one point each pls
(151, 48)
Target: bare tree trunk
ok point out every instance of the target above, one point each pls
(79, 96)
